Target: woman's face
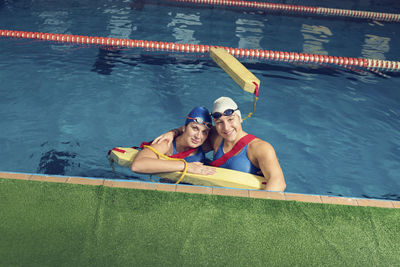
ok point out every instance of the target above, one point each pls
(195, 134)
(228, 126)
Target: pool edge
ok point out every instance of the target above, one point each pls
(286, 196)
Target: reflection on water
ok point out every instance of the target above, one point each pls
(375, 46)
(315, 36)
(58, 20)
(183, 27)
(250, 33)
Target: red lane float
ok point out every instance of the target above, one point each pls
(292, 57)
(324, 11)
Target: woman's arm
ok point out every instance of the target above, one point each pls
(263, 154)
(168, 136)
(146, 161)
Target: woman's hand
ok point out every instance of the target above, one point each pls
(168, 136)
(200, 168)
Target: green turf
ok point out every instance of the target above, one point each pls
(52, 224)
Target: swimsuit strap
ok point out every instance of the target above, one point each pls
(236, 148)
(183, 154)
(180, 155)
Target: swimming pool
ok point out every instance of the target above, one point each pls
(63, 106)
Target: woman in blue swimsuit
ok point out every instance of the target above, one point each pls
(256, 155)
(186, 146)
(237, 150)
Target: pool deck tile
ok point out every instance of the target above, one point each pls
(375, 203)
(339, 200)
(45, 178)
(193, 189)
(206, 190)
(396, 204)
(266, 194)
(230, 192)
(303, 198)
(166, 187)
(108, 183)
(19, 176)
(130, 184)
(79, 180)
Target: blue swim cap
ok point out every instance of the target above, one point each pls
(200, 115)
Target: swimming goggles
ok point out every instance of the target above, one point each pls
(228, 112)
(200, 120)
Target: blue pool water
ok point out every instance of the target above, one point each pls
(62, 107)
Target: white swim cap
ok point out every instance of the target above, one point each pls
(225, 105)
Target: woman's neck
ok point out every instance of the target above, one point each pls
(228, 145)
(181, 144)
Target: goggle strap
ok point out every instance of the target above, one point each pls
(207, 124)
(223, 113)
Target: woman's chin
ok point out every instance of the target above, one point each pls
(195, 144)
(230, 137)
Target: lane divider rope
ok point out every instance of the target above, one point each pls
(290, 57)
(324, 11)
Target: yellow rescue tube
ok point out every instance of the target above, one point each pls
(223, 177)
(239, 73)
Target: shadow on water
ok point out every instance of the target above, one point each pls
(137, 4)
(388, 196)
(294, 69)
(105, 61)
(108, 59)
(64, 159)
(56, 162)
(58, 159)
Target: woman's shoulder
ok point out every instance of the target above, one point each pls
(164, 147)
(259, 145)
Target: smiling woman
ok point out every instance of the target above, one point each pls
(186, 146)
(235, 149)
